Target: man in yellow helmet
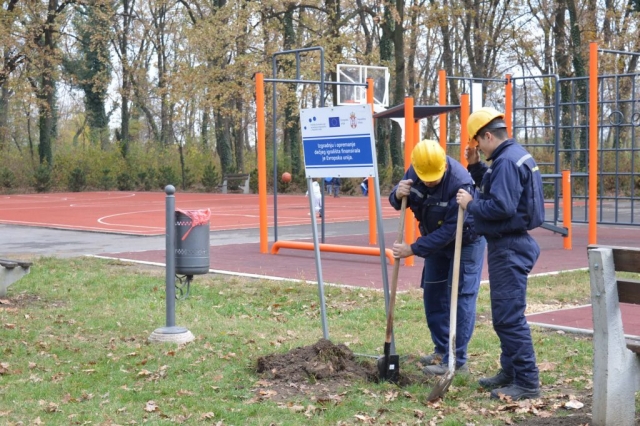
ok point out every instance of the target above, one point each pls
(508, 204)
(431, 183)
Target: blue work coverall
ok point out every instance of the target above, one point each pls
(510, 203)
(436, 211)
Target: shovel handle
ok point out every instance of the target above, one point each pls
(394, 275)
(455, 281)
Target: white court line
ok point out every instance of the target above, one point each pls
(102, 220)
(73, 227)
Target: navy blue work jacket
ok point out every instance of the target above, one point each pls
(442, 197)
(510, 199)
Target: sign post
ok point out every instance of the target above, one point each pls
(339, 141)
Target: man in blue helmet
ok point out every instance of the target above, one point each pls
(431, 183)
(509, 203)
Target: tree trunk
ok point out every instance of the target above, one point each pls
(4, 117)
(397, 155)
(238, 136)
(383, 127)
(223, 144)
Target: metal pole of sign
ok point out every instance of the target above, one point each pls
(316, 252)
(383, 258)
(171, 333)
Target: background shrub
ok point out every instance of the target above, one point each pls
(211, 177)
(42, 178)
(77, 180)
(7, 178)
(125, 181)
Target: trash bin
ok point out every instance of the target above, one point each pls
(192, 241)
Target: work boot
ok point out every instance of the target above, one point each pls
(434, 358)
(515, 392)
(498, 381)
(442, 369)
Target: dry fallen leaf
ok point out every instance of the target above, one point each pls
(573, 404)
(151, 406)
(547, 366)
(51, 407)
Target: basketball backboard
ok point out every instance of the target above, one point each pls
(348, 95)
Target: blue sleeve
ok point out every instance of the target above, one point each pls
(392, 197)
(477, 171)
(504, 194)
(393, 200)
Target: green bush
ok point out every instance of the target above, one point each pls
(147, 179)
(42, 178)
(7, 178)
(106, 181)
(167, 176)
(77, 180)
(211, 177)
(125, 181)
(253, 181)
(188, 178)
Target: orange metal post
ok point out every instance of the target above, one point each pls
(442, 100)
(508, 106)
(408, 148)
(262, 163)
(593, 142)
(464, 134)
(334, 248)
(417, 137)
(567, 204)
(371, 196)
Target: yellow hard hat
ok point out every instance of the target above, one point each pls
(429, 160)
(481, 118)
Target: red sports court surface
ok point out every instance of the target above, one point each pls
(144, 214)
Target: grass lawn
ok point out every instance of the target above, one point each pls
(74, 350)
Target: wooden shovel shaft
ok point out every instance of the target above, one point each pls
(442, 385)
(455, 282)
(394, 275)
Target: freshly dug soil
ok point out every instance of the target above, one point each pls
(321, 361)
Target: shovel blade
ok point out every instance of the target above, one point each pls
(389, 368)
(440, 388)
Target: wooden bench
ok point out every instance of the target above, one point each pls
(236, 177)
(10, 272)
(616, 357)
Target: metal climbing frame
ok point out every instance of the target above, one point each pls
(531, 108)
(619, 146)
(535, 118)
(550, 117)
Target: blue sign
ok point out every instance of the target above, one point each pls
(338, 141)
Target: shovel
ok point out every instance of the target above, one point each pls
(443, 383)
(389, 365)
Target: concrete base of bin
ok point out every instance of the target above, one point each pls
(172, 334)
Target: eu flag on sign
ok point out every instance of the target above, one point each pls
(334, 121)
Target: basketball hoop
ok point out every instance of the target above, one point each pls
(350, 94)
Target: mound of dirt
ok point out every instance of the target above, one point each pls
(322, 361)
